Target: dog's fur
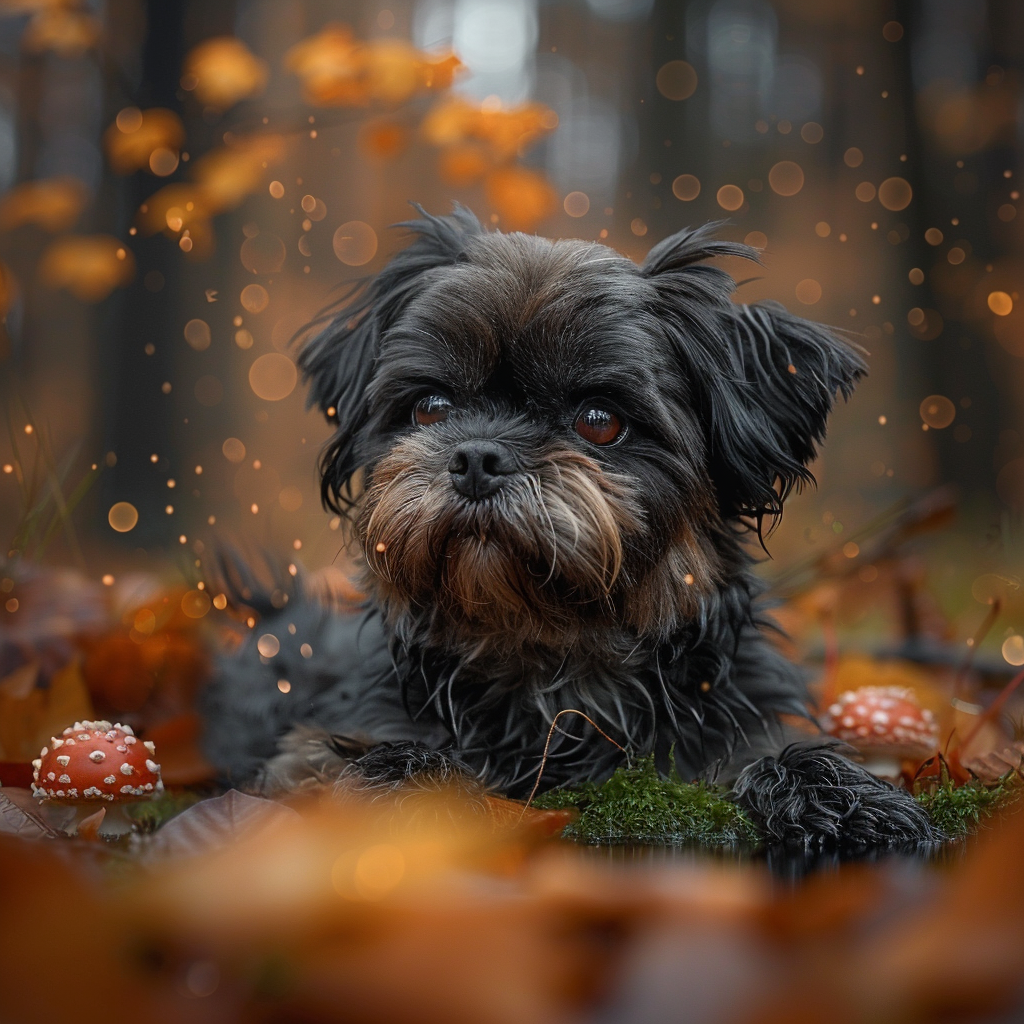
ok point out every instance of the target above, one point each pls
(611, 579)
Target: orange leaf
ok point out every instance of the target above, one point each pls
(132, 139)
(223, 71)
(382, 140)
(506, 131)
(338, 70)
(522, 198)
(88, 266)
(29, 719)
(464, 164)
(53, 204)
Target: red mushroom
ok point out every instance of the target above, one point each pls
(885, 724)
(96, 764)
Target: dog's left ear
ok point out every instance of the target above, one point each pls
(338, 362)
(764, 381)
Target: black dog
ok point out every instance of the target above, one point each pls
(553, 460)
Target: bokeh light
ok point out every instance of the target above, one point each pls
(786, 178)
(273, 376)
(730, 197)
(197, 334)
(895, 194)
(264, 253)
(808, 291)
(254, 298)
(355, 243)
(686, 187)
(233, 449)
(576, 204)
(1000, 303)
(123, 516)
(676, 80)
(937, 411)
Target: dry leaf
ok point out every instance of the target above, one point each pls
(337, 70)
(211, 825)
(151, 129)
(464, 164)
(15, 820)
(67, 32)
(88, 266)
(522, 198)
(53, 203)
(228, 174)
(223, 71)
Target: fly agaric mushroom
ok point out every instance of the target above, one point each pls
(885, 724)
(96, 764)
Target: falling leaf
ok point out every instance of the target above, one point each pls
(53, 204)
(223, 71)
(65, 31)
(88, 266)
(506, 132)
(337, 70)
(131, 150)
(522, 198)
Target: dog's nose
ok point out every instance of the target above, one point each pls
(480, 468)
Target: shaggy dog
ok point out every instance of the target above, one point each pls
(553, 461)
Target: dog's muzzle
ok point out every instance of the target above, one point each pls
(480, 468)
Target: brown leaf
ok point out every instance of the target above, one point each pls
(17, 820)
(88, 266)
(213, 824)
(505, 132)
(53, 204)
(222, 71)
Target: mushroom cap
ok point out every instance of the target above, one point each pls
(882, 720)
(96, 761)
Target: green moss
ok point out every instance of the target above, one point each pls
(149, 815)
(959, 810)
(637, 805)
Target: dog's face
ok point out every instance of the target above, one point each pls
(552, 439)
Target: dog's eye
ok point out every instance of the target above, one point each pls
(431, 409)
(598, 426)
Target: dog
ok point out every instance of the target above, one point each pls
(554, 462)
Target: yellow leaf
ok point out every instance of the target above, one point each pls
(223, 71)
(506, 131)
(88, 266)
(53, 204)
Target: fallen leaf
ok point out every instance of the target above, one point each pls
(53, 204)
(88, 266)
(17, 821)
(214, 824)
(222, 71)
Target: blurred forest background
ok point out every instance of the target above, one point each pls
(185, 183)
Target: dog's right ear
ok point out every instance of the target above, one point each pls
(338, 362)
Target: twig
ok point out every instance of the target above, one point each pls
(547, 744)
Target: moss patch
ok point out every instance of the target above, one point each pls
(959, 810)
(637, 805)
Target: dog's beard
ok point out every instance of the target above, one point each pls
(537, 564)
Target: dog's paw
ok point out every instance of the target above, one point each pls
(387, 767)
(812, 796)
